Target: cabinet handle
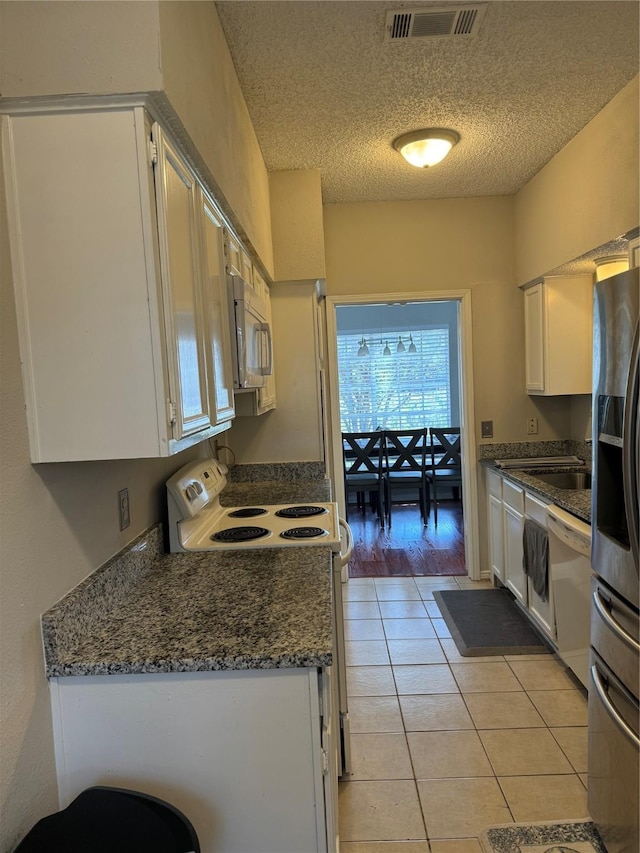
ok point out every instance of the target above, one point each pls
(601, 690)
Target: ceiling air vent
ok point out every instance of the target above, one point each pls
(433, 22)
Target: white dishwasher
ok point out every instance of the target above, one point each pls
(570, 572)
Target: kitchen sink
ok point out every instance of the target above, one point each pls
(566, 479)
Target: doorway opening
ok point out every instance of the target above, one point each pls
(401, 366)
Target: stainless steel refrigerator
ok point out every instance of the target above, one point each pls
(614, 658)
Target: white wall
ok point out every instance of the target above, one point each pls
(57, 48)
(441, 245)
(296, 222)
(586, 195)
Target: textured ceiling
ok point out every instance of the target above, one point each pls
(326, 92)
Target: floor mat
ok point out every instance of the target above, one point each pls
(544, 837)
(488, 622)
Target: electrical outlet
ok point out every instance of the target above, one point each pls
(123, 505)
(486, 429)
(532, 426)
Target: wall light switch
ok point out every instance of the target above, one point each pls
(486, 428)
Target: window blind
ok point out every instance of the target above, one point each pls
(398, 391)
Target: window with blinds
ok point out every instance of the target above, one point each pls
(399, 391)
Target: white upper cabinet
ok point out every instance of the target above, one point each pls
(218, 334)
(558, 313)
(238, 261)
(122, 336)
(183, 292)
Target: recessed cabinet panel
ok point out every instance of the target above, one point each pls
(534, 338)
(496, 546)
(81, 275)
(217, 313)
(176, 188)
(514, 576)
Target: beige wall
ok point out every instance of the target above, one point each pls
(296, 222)
(57, 47)
(586, 195)
(449, 244)
(200, 81)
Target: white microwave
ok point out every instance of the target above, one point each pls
(251, 335)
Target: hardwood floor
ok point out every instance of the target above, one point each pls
(407, 548)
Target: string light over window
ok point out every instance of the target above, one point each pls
(401, 346)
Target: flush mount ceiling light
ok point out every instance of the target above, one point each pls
(424, 148)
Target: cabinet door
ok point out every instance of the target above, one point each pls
(514, 576)
(232, 254)
(218, 337)
(182, 290)
(496, 544)
(541, 611)
(534, 337)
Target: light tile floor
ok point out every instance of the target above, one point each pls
(445, 746)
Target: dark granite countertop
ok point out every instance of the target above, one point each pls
(575, 501)
(275, 492)
(146, 611)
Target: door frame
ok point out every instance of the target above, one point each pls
(467, 410)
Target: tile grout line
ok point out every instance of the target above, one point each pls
(512, 670)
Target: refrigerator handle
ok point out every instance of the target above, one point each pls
(631, 449)
(601, 689)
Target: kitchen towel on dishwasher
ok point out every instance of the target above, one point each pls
(535, 558)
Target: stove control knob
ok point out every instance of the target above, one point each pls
(197, 485)
(191, 492)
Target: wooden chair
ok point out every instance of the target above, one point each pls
(405, 453)
(362, 454)
(446, 464)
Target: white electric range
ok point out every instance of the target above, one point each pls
(198, 522)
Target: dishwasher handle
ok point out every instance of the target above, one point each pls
(571, 531)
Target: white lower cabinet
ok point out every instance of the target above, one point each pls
(496, 527)
(119, 279)
(508, 505)
(513, 509)
(246, 755)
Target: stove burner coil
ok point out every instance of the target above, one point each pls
(304, 533)
(301, 511)
(240, 534)
(247, 512)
